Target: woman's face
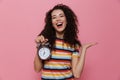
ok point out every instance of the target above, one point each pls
(59, 20)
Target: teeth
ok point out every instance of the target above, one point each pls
(58, 24)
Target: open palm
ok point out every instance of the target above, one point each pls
(87, 45)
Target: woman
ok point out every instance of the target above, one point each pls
(67, 55)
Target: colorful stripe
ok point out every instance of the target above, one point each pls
(59, 65)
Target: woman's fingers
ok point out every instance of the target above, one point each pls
(92, 44)
(37, 40)
(41, 39)
(89, 44)
(46, 40)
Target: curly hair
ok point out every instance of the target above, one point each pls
(71, 30)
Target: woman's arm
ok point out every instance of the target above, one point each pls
(37, 63)
(78, 63)
(74, 64)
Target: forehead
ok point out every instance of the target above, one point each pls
(57, 12)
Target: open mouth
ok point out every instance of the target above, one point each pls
(59, 24)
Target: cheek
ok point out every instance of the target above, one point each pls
(65, 20)
(53, 22)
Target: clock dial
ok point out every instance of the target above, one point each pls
(44, 53)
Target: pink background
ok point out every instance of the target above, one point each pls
(22, 20)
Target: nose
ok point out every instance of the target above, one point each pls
(58, 18)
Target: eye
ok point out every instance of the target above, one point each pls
(53, 17)
(62, 15)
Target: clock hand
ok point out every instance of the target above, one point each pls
(44, 52)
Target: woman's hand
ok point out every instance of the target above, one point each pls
(41, 39)
(87, 45)
(78, 68)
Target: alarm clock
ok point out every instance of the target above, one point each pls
(44, 51)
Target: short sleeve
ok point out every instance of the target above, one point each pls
(76, 52)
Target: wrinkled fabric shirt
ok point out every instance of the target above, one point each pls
(59, 66)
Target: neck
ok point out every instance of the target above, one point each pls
(59, 35)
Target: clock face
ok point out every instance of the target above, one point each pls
(44, 53)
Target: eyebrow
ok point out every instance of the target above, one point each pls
(59, 14)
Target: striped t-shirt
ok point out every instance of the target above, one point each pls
(59, 66)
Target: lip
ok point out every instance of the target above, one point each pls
(59, 24)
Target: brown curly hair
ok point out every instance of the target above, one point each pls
(71, 30)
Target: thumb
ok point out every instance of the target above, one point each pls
(46, 40)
